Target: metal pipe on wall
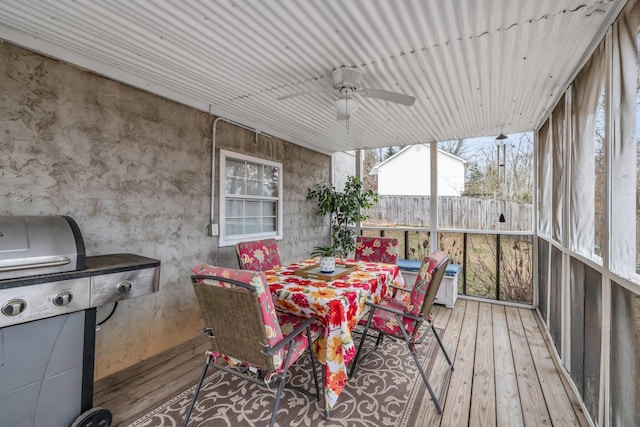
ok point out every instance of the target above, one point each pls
(212, 229)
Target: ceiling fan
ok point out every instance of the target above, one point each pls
(347, 82)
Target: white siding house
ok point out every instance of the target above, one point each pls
(407, 172)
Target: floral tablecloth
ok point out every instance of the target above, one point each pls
(339, 304)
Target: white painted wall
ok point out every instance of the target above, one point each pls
(408, 173)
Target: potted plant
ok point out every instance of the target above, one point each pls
(345, 208)
(327, 256)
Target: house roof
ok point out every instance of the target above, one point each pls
(475, 67)
(376, 167)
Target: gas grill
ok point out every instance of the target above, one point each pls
(49, 291)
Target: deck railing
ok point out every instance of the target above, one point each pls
(495, 265)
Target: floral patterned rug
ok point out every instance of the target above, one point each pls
(385, 391)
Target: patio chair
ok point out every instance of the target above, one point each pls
(377, 249)
(246, 332)
(258, 255)
(403, 320)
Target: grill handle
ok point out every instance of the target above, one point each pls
(43, 264)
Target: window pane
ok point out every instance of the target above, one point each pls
(234, 208)
(268, 224)
(235, 186)
(271, 180)
(235, 168)
(253, 209)
(254, 171)
(252, 225)
(254, 187)
(234, 227)
(269, 208)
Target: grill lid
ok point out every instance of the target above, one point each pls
(35, 245)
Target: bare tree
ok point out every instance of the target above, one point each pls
(456, 147)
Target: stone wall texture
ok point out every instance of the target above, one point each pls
(134, 170)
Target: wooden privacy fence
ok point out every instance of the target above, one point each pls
(461, 213)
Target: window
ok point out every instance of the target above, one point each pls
(250, 198)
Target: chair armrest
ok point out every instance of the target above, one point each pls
(400, 288)
(391, 310)
(287, 339)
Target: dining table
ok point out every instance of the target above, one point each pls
(339, 303)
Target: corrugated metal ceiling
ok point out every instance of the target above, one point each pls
(476, 67)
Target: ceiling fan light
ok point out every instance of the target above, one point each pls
(346, 106)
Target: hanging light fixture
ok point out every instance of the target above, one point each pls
(345, 106)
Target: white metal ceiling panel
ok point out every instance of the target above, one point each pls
(476, 67)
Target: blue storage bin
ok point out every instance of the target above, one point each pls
(452, 270)
(409, 264)
(414, 265)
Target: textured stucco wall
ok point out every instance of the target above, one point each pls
(344, 165)
(134, 170)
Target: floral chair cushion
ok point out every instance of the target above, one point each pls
(258, 255)
(423, 281)
(387, 322)
(377, 249)
(288, 323)
(267, 309)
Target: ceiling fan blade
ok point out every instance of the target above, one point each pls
(398, 98)
(305, 92)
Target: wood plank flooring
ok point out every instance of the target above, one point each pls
(504, 373)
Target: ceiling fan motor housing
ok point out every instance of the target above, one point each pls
(347, 78)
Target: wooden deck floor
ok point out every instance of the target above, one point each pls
(504, 373)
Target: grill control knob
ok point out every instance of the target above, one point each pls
(123, 287)
(62, 299)
(14, 307)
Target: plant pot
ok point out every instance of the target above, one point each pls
(327, 264)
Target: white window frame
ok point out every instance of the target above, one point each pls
(225, 240)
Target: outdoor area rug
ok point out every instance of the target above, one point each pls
(386, 391)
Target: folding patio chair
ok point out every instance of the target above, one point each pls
(246, 332)
(403, 320)
(377, 249)
(258, 255)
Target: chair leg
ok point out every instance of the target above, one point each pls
(327, 413)
(378, 341)
(313, 364)
(283, 380)
(437, 400)
(195, 395)
(446, 355)
(354, 366)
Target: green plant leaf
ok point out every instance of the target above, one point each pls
(345, 208)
